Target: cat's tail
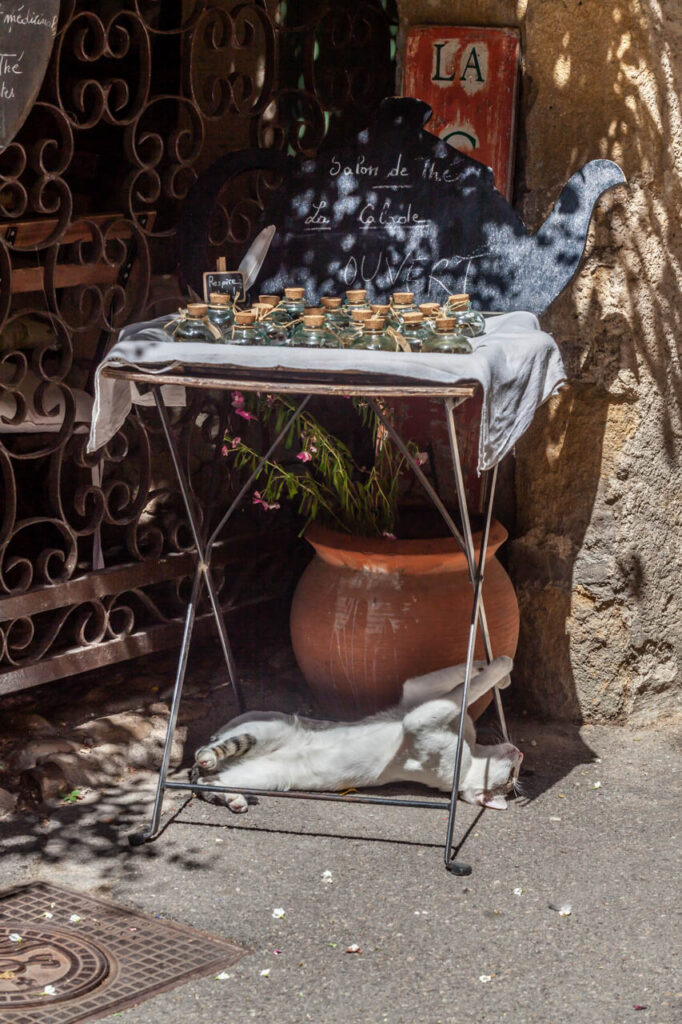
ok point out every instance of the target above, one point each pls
(215, 753)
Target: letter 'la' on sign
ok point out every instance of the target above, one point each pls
(469, 77)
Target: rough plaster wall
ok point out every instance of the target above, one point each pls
(597, 554)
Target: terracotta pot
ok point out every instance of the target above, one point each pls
(369, 613)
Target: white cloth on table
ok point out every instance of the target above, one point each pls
(517, 365)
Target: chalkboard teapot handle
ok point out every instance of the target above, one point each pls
(192, 234)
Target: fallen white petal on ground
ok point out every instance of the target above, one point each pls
(354, 948)
(596, 785)
(223, 976)
(279, 912)
(265, 973)
(49, 990)
(327, 877)
(517, 891)
(47, 914)
(14, 937)
(562, 909)
(485, 978)
(554, 818)
(74, 919)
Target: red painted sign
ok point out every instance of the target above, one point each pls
(469, 77)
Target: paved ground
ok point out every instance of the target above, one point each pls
(435, 948)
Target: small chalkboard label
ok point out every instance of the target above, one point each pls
(229, 282)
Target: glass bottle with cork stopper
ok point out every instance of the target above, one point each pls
(356, 298)
(290, 308)
(354, 327)
(470, 321)
(401, 303)
(374, 336)
(415, 330)
(193, 325)
(447, 338)
(335, 316)
(312, 333)
(246, 329)
(221, 312)
(431, 311)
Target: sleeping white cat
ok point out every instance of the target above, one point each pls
(415, 741)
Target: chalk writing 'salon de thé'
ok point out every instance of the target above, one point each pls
(399, 209)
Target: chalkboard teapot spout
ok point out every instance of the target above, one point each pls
(398, 209)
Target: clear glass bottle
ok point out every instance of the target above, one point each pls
(415, 330)
(446, 338)
(431, 311)
(246, 331)
(375, 337)
(290, 308)
(335, 316)
(353, 329)
(193, 325)
(401, 303)
(221, 312)
(356, 298)
(312, 333)
(470, 322)
(457, 303)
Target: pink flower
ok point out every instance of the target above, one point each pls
(245, 415)
(267, 505)
(236, 441)
(237, 400)
(304, 457)
(389, 536)
(224, 449)
(421, 458)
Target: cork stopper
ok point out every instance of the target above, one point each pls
(197, 308)
(220, 299)
(268, 300)
(413, 318)
(458, 301)
(360, 315)
(313, 320)
(294, 293)
(375, 323)
(380, 310)
(357, 295)
(244, 318)
(429, 308)
(445, 323)
(402, 298)
(330, 302)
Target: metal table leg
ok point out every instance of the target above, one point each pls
(202, 574)
(465, 540)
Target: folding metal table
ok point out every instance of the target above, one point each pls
(305, 384)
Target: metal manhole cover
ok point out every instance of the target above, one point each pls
(68, 963)
(67, 957)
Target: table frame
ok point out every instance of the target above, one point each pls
(306, 385)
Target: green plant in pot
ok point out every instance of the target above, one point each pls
(372, 608)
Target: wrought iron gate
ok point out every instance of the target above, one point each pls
(139, 97)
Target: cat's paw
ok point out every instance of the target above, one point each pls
(206, 759)
(237, 802)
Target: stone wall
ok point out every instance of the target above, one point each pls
(596, 554)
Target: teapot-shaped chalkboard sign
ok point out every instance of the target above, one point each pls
(397, 209)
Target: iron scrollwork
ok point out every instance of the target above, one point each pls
(138, 98)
